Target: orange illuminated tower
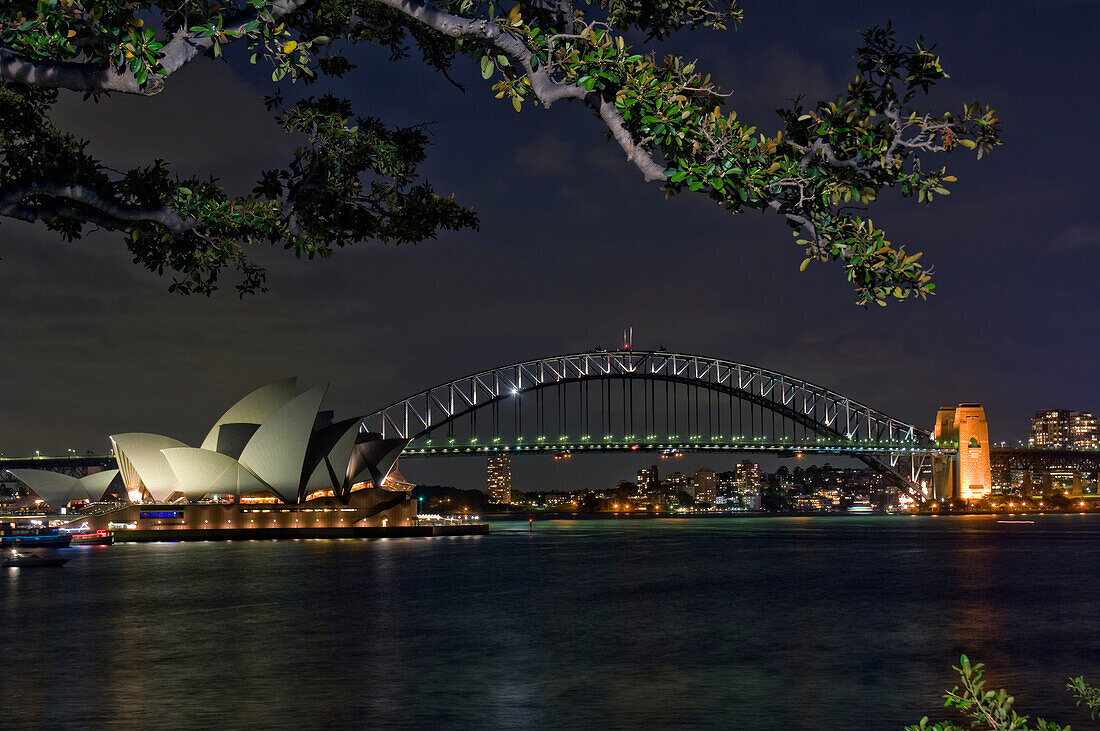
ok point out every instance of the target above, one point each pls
(975, 480)
(968, 476)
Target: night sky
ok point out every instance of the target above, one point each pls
(574, 246)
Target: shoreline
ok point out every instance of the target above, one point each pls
(759, 514)
(265, 534)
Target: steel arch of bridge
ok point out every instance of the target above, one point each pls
(852, 426)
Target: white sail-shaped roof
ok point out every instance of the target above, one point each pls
(55, 488)
(338, 457)
(255, 408)
(97, 483)
(141, 462)
(277, 451)
(373, 459)
(200, 471)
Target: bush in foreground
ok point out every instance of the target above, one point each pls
(991, 710)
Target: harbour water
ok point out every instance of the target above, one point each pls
(763, 623)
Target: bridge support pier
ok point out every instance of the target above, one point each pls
(967, 475)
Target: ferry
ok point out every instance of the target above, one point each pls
(861, 506)
(12, 535)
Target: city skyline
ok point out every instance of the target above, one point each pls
(1078, 430)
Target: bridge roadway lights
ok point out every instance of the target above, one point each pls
(899, 451)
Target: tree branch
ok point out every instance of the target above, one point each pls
(176, 54)
(13, 203)
(546, 89)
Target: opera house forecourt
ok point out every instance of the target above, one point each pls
(274, 465)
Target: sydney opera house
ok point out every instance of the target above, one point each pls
(274, 462)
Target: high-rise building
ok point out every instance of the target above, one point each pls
(1083, 430)
(706, 486)
(1063, 429)
(1050, 429)
(648, 480)
(498, 477)
(740, 484)
(677, 483)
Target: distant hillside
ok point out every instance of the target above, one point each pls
(444, 500)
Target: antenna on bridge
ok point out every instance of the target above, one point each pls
(628, 338)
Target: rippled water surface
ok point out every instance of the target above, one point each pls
(763, 623)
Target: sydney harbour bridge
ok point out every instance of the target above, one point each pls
(632, 400)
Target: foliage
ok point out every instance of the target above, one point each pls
(992, 710)
(1086, 695)
(357, 181)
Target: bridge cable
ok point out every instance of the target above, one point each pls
(710, 409)
(675, 407)
(632, 406)
(687, 407)
(622, 385)
(610, 427)
(698, 423)
(666, 410)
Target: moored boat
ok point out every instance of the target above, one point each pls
(93, 538)
(33, 536)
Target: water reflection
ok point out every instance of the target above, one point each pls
(766, 623)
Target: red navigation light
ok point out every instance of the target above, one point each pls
(634, 447)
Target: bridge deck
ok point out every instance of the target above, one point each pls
(787, 448)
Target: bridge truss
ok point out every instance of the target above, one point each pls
(653, 401)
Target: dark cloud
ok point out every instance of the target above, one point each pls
(1078, 236)
(546, 155)
(573, 247)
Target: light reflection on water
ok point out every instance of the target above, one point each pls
(769, 623)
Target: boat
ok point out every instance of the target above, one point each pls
(93, 538)
(861, 506)
(34, 536)
(26, 560)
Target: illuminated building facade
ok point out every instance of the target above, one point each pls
(966, 476)
(706, 486)
(1063, 429)
(274, 443)
(498, 477)
(364, 508)
(273, 448)
(648, 480)
(741, 484)
(677, 483)
(1083, 431)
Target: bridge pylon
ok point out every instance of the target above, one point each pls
(966, 474)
